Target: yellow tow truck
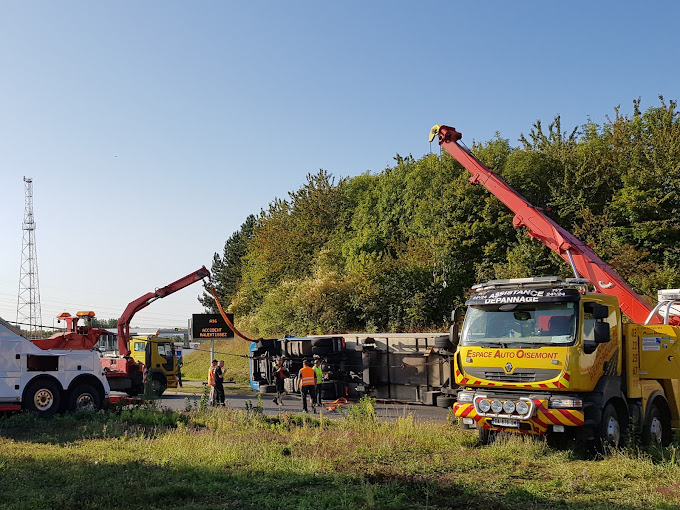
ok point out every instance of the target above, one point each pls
(546, 356)
(157, 354)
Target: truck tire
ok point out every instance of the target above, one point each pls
(322, 349)
(267, 388)
(656, 429)
(135, 390)
(84, 397)
(159, 384)
(327, 389)
(446, 401)
(561, 440)
(610, 428)
(42, 397)
(340, 389)
(322, 342)
(486, 436)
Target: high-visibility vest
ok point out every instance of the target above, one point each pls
(319, 374)
(211, 376)
(307, 376)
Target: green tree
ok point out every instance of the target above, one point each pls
(226, 271)
(397, 250)
(104, 323)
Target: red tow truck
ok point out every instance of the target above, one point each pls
(122, 372)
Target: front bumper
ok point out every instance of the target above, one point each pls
(540, 421)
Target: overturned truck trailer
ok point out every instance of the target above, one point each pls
(408, 367)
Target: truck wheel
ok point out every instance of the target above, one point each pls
(322, 349)
(560, 440)
(327, 390)
(84, 397)
(42, 397)
(322, 342)
(446, 401)
(158, 384)
(656, 430)
(610, 427)
(267, 388)
(486, 436)
(135, 390)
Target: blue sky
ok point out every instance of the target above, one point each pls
(152, 129)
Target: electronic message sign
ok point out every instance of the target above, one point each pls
(211, 325)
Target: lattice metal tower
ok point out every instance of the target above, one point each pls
(28, 303)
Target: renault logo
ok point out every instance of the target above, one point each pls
(508, 367)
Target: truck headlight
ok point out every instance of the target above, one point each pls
(465, 396)
(522, 407)
(496, 406)
(565, 403)
(484, 405)
(509, 406)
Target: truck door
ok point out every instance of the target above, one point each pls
(162, 357)
(138, 351)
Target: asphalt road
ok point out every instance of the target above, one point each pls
(293, 404)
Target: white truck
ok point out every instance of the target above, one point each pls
(47, 381)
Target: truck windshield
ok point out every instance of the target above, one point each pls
(520, 325)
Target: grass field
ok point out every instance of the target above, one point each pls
(225, 458)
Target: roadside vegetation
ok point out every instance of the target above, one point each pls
(397, 250)
(226, 458)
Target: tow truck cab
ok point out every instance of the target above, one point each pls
(158, 355)
(538, 355)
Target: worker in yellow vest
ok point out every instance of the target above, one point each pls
(319, 380)
(211, 382)
(306, 384)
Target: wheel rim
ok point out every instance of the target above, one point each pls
(85, 401)
(613, 431)
(656, 430)
(43, 399)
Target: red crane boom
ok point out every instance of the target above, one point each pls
(145, 300)
(540, 227)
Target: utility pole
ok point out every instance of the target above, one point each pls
(28, 302)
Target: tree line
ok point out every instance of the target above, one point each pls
(398, 250)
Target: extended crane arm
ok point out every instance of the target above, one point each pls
(145, 300)
(540, 227)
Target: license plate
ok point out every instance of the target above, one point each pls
(360, 387)
(505, 422)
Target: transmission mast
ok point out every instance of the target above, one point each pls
(28, 303)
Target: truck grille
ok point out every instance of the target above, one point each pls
(518, 376)
(514, 377)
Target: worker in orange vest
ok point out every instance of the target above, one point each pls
(306, 384)
(211, 382)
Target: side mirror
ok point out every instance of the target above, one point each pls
(600, 311)
(457, 314)
(602, 332)
(456, 319)
(453, 334)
